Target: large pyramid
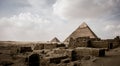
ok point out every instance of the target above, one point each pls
(82, 31)
(54, 40)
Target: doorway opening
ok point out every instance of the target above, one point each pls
(111, 46)
(34, 60)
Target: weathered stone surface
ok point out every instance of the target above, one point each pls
(83, 51)
(55, 58)
(80, 42)
(25, 49)
(82, 31)
(39, 46)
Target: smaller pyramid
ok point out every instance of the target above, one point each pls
(54, 40)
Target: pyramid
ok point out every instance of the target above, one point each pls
(82, 31)
(54, 40)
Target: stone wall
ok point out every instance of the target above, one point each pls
(83, 51)
(55, 58)
(25, 49)
(50, 46)
(109, 43)
(114, 42)
(99, 44)
(9, 49)
(95, 43)
(77, 43)
(41, 46)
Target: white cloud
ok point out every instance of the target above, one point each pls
(82, 9)
(112, 27)
(23, 26)
(117, 33)
(24, 18)
(40, 19)
(27, 26)
(109, 27)
(112, 30)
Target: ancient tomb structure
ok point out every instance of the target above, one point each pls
(83, 36)
(82, 31)
(55, 39)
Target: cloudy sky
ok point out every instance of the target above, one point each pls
(42, 20)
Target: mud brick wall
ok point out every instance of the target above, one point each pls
(41, 46)
(77, 43)
(82, 51)
(98, 52)
(80, 44)
(68, 52)
(105, 43)
(115, 43)
(99, 44)
(95, 43)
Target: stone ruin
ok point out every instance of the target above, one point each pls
(83, 36)
(93, 43)
(81, 44)
(25, 49)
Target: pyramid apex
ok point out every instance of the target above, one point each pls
(84, 24)
(55, 39)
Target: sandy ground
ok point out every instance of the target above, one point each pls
(112, 58)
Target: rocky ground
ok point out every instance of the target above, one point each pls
(112, 58)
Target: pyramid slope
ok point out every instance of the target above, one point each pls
(82, 31)
(54, 40)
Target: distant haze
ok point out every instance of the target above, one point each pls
(42, 20)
